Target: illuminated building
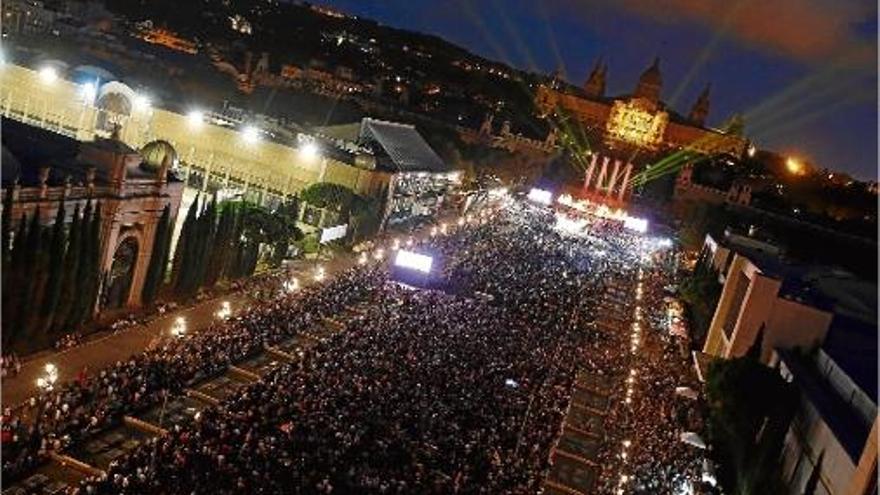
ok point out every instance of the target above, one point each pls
(170, 40)
(640, 119)
(634, 125)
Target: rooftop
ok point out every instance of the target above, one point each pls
(406, 149)
(26, 149)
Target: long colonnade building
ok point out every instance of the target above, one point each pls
(208, 154)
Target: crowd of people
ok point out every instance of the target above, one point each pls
(62, 418)
(462, 391)
(655, 459)
(10, 364)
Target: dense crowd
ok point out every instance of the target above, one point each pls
(657, 461)
(423, 391)
(62, 417)
(10, 365)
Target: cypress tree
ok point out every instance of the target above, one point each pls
(11, 297)
(36, 318)
(68, 274)
(92, 256)
(56, 264)
(221, 246)
(208, 222)
(182, 269)
(6, 247)
(82, 269)
(30, 266)
(158, 258)
(6, 226)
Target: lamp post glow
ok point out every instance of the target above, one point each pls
(179, 327)
(88, 91)
(48, 75)
(250, 134)
(309, 151)
(225, 311)
(47, 382)
(195, 118)
(141, 103)
(291, 285)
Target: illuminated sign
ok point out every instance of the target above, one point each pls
(637, 224)
(635, 123)
(415, 261)
(333, 233)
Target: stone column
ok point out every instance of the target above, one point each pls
(590, 170)
(602, 173)
(625, 185)
(613, 181)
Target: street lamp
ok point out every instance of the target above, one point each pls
(794, 166)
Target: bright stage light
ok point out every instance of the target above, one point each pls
(639, 225)
(409, 259)
(142, 103)
(195, 118)
(570, 225)
(540, 196)
(250, 134)
(88, 91)
(48, 75)
(309, 151)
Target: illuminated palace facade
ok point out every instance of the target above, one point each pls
(630, 129)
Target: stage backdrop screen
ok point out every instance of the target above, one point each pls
(415, 261)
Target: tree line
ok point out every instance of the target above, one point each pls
(51, 274)
(217, 241)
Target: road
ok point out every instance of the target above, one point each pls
(102, 352)
(107, 350)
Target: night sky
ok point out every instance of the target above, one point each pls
(804, 72)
